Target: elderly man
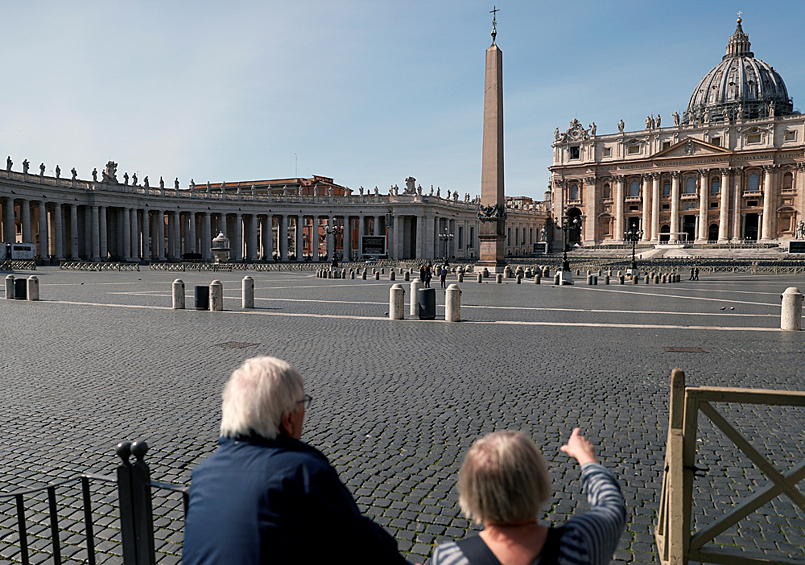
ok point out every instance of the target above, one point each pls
(266, 497)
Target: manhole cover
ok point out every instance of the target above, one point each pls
(236, 345)
(686, 349)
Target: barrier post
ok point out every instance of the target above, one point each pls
(178, 294)
(247, 300)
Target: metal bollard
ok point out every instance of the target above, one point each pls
(247, 300)
(363, 275)
(396, 302)
(178, 294)
(452, 304)
(407, 276)
(377, 275)
(20, 288)
(10, 287)
(392, 275)
(791, 315)
(460, 276)
(202, 297)
(33, 288)
(216, 296)
(416, 284)
(480, 278)
(499, 278)
(589, 278)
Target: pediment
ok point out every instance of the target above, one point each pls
(690, 147)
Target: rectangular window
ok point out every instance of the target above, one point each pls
(716, 141)
(754, 138)
(666, 144)
(470, 242)
(666, 206)
(574, 152)
(523, 236)
(530, 236)
(634, 208)
(633, 150)
(607, 152)
(790, 136)
(509, 236)
(516, 237)
(666, 189)
(714, 186)
(460, 237)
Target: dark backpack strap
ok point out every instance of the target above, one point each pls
(477, 552)
(550, 549)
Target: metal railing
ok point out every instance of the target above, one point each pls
(39, 527)
(676, 543)
(97, 266)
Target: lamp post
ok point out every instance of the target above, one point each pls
(566, 225)
(446, 237)
(633, 235)
(334, 231)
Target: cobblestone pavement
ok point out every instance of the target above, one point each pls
(102, 358)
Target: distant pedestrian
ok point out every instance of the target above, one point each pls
(422, 273)
(692, 273)
(696, 274)
(443, 277)
(428, 275)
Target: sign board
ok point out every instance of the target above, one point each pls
(23, 250)
(373, 245)
(796, 246)
(540, 248)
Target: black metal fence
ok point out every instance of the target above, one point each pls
(111, 519)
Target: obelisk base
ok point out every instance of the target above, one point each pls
(491, 253)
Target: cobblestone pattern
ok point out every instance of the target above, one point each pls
(397, 404)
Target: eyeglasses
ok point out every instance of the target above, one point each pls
(306, 401)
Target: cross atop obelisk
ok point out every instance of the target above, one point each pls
(493, 200)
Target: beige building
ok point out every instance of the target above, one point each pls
(730, 169)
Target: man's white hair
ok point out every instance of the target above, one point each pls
(257, 395)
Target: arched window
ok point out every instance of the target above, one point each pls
(690, 185)
(574, 191)
(753, 184)
(607, 192)
(788, 181)
(634, 189)
(714, 186)
(666, 189)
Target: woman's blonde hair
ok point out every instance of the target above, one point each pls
(503, 479)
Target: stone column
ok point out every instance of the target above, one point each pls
(331, 238)
(347, 239)
(361, 231)
(237, 243)
(96, 234)
(74, 232)
(590, 225)
(146, 221)
(135, 235)
(645, 202)
(58, 231)
(88, 233)
(102, 230)
(191, 240)
(768, 204)
(723, 211)
(160, 234)
(25, 215)
(44, 246)
(9, 227)
(222, 225)
(268, 237)
(655, 208)
(300, 240)
(674, 207)
(619, 231)
(701, 233)
(282, 234)
(314, 237)
(126, 235)
(206, 236)
(252, 244)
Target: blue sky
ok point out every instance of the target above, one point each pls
(366, 92)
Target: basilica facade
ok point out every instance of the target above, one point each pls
(730, 169)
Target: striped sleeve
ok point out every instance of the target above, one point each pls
(449, 554)
(591, 538)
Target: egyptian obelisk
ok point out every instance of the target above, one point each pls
(493, 200)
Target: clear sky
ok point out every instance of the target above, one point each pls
(367, 92)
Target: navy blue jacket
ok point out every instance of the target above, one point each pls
(258, 501)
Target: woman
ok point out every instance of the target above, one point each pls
(502, 483)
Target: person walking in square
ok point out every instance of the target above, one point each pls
(443, 276)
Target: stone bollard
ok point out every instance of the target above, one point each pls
(499, 278)
(606, 279)
(578, 272)
(537, 277)
(343, 274)
(416, 284)
(10, 287)
(377, 275)
(557, 278)
(248, 292)
(480, 278)
(216, 296)
(33, 288)
(363, 274)
(485, 272)
(392, 275)
(621, 278)
(452, 304)
(791, 316)
(382, 270)
(646, 279)
(635, 280)
(460, 276)
(178, 294)
(546, 272)
(351, 274)
(396, 302)
(519, 279)
(589, 278)
(407, 276)
(656, 279)
(664, 278)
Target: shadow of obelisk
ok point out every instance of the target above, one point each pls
(492, 212)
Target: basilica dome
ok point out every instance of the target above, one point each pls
(740, 87)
